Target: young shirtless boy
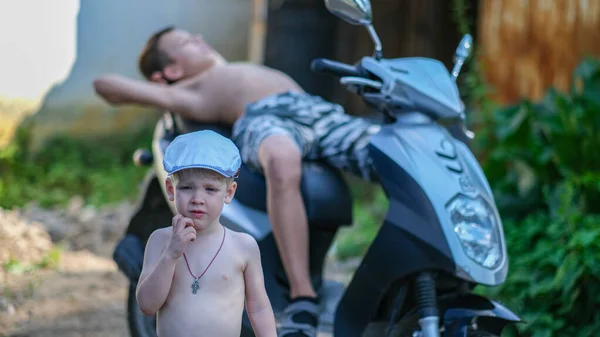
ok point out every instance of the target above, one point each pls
(275, 124)
(196, 273)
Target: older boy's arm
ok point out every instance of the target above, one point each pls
(258, 305)
(118, 89)
(157, 274)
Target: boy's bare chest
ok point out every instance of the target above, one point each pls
(198, 274)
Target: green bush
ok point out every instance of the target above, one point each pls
(554, 277)
(538, 146)
(101, 170)
(544, 168)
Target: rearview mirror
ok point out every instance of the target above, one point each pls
(358, 13)
(355, 12)
(464, 47)
(462, 52)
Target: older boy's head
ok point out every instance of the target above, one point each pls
(173, 54)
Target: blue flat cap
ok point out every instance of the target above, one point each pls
(202, 149)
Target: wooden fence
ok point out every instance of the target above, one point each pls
(529, 45)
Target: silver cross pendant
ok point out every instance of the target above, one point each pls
(195, 286)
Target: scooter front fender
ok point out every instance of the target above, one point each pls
(490, 316)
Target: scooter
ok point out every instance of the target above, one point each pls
(441, 237)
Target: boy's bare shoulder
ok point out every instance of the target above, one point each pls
(160, 236)
(245, 242)
(242, 239)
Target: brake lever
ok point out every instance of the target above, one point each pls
(359, 81)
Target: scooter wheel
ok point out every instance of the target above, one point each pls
(140, 325)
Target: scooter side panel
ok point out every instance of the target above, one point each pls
(153, 211)
(393, 255)
(441, 168)
(244, 219)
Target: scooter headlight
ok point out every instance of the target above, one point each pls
(476, 226)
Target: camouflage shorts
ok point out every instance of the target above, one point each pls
(321, 130)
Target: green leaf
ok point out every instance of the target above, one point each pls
(585, 238)
(586, 71)
(545, 156)
(542, 287)
(515, 119)
(542, 333)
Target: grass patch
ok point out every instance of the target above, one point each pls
(49, 261)
(99, 170)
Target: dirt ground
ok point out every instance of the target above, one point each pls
(77, 290)
(80, 291)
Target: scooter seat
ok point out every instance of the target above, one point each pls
(326, 195)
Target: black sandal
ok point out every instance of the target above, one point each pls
(288, 327)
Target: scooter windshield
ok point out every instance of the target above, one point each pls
(424, 82)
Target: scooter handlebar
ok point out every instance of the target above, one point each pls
(325, 66)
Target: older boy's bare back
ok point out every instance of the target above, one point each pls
(226, 89)
(216, 309)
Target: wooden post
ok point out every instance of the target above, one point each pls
(258, 24)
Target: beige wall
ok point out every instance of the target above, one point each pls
(52, 50)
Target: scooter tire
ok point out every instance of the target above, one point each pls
(140, 325)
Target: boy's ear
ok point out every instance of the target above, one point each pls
(173, 72)
(230, 192)
(157, 77)
(170, 189)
